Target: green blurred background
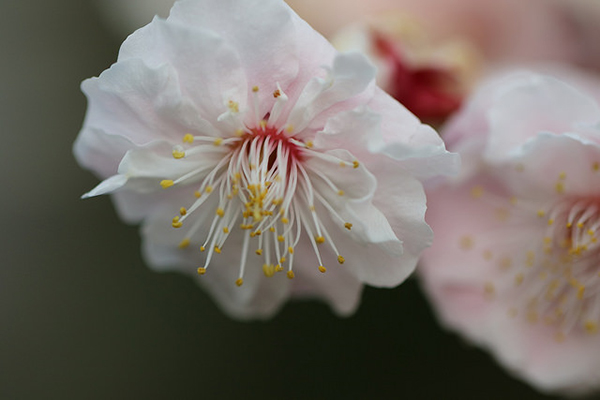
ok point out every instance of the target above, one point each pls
(81, 317)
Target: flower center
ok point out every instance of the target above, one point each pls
(260, 182)
(553, 277)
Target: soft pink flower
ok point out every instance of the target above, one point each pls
(429, 77)
(247, 146)
(516, 261)
(508, 30)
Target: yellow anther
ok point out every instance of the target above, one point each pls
(342, 164)
(580, 292)
(208, 189)
(489, 289)
(259, 252)
(202, 248)
(233, 106)
(184, 243)
(188, 138)
(280, 238)
(176, 223)
(580, 225)
(255, 89)
(239, 281)
(348, 225)
(282, 260)
(505, 263)
(272, 229)
(220, 212)
(277, 93)
(547, 240)
(217, 250)
(239, 132)
(590, 232)
(487, 254)
(532, 317)
(178, 154)
(312, 208)
(341, 259)
(520, 167)
(278, 268)
(263, 124)
(590, 327)
(340, 192)
(309, 144)
(466, 242)
(550, 221)
(559, 187)
(289, 128)
(291, 250)
(197, 194)
(284, 220)
(596, 166)
(320, 239)
(322, 269)
(541, 213)
(562, 175)
(355, 164)
(569, 224)
(257, 232)
(518, 279)
(476, 192)
(290, 274)
(201, 271)
(218, 141)
(182, 211)
(167, 183)
(268, 270)
(225, 229)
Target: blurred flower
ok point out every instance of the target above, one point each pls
(225, 115)
(428, 78)
(558, 30)
(515, 264)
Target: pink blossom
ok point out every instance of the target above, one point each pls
(503, 31)
(427, 76)
(515, 263)
(258, 159)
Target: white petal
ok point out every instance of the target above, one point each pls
(417, 147)
(355, 205)
(106, 186)
(351, 74)
(200, 58)
(266, 46)
(141, 103)
(99, 151)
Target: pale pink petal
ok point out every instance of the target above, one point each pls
(194, 53)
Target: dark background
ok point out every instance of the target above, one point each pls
(81, 317)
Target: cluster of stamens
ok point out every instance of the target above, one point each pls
(555, 278)
(263, 188)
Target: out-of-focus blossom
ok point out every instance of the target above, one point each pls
(428, 78)
(516, 261)
(505, 31)
(248, 146)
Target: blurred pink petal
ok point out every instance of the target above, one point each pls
(514, 265)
